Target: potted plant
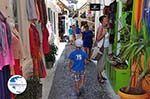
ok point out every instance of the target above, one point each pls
(33, 90)
(116, 61)
(51, 56)
(137, 54)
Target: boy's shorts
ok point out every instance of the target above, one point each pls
(78, 75)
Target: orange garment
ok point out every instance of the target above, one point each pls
(39, 69)
(138, 8)
(16, 45)
(34, 41)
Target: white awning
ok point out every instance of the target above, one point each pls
(82, 19)
(54, 7)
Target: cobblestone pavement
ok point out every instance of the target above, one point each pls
(63, 85)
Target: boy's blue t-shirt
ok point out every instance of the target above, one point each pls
(78, 57)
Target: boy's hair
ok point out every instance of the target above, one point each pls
(101, 18)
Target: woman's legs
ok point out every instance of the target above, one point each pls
(87, 50)
(90, 53)
(101, 64)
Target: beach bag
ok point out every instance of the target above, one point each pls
(97, 51)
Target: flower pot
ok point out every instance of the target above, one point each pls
(33, 90)
(40, 91)
(49, 65)
(131, 96)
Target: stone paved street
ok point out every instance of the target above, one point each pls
(63, 85)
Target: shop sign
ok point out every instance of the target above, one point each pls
(95, 7)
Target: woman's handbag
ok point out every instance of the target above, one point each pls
(97, 51)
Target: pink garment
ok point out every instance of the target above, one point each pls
(6, 56)
(16, 45)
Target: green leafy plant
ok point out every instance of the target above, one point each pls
(125, 35)
(51, 56)
(135, 51)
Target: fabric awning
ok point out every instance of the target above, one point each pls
(82, 19)
(54, 7)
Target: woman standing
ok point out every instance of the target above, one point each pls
(103, 37)
(87, 37)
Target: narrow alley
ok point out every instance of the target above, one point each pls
(62, 86)
(45, 44)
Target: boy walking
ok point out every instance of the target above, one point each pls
(77, 65)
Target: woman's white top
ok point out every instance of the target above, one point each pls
(106, 40)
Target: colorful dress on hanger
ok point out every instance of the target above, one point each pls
(38, 65)
(45, 44)
(6, 56)
(31, 10)
(18, 52)
(4, 76)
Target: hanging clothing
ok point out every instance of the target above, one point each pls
(17, 67)
(18, 51)
(34, 41)
(8, 31)
(2, 95)
(4, 77)
(38, 65)
(45, 43)
(42, 40)
(5, 9)
(42, 10)
(138, 8)
(50, 31)
(31, 10)
(146, 13)
(17, 45)
(37, 10)
(39, 28)
(148, 21)
(6, 56)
